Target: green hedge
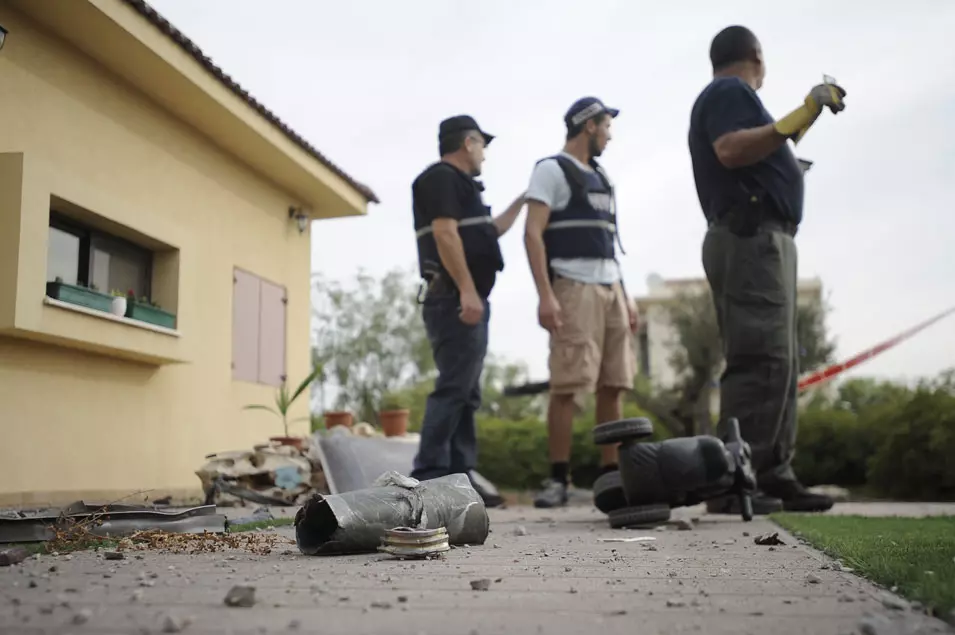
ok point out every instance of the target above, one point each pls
(900, 447)
(513, 454)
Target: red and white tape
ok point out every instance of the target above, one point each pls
(829, 372)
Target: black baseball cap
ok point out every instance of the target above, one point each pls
(460, 123)
(586, 108)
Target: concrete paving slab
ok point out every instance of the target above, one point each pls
(556, 576)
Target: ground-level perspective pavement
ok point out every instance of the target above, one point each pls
(545, 571)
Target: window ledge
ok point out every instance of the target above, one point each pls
(110, 317)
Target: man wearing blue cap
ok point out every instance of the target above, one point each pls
(459, 258)
(570, 235)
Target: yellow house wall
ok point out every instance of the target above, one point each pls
(83, 424)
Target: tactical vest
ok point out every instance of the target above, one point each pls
(587, 226)
(478, 237)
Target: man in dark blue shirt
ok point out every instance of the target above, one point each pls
(750, 188)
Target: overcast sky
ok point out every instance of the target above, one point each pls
(368, 81)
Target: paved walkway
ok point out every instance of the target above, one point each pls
(550, 572)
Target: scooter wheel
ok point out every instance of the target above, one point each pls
(645, 516)
(608, 492)
(623, 430)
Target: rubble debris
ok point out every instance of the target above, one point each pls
(13, 556)
(355, 522)
(766, 540)
(82, 616)
(894, 603)
(156, 540)
(270, 474)
(405, 542)
(114, 555)
(675, 603)
(80, 524)
(521, 530)
(812, 578)
(380, 605)
(240, 596)
(480, 585)
(172, 624)
(350, 458)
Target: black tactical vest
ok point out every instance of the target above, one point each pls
(587, 226)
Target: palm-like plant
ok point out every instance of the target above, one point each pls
(284, 399)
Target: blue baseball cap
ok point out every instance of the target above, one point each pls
(586, 108)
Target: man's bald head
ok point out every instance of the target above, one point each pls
(732, 45)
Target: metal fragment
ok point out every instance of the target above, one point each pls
(405, 542)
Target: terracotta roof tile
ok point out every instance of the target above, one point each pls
(190, 47)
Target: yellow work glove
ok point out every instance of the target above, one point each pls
(797, 123)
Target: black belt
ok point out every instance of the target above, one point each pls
(772, 224)
(606, 285)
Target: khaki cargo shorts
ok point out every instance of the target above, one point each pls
(594, 346)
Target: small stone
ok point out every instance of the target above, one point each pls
(768, 540)
(402, 599)
(172, 624)
(875, 625)
(480, 585)
(381, 605)
(114, 555)
(573, 590)
(675, 603)
(520, 531)
(82, 616)
(68, 557)
(846, 599)
(14, 555)
(32, 584)
(47, 609)
(241, 596)
(812, 578)
(745, 534)
(894, 603)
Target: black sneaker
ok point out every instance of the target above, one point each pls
(553, 494)
(485, 489)
(763, 505)
(797, 498)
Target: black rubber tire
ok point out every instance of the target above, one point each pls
(608, 492)
(646, 516)
(623, 430)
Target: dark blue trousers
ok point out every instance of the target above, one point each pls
(448, 435)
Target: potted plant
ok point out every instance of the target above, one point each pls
(85, 296)
(283, 401)
(118, 307)
(338, 418)
(393, 414)
(145, 310)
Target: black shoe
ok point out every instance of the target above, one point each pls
(797, 498)
(553, 494)
(486, 489)
(763, 505)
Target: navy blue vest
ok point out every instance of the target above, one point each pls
(478, 237)
(587, 226)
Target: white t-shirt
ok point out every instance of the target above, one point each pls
(549, 186)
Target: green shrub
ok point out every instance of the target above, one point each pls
(916, 447)
(833, 447)
(513, 454)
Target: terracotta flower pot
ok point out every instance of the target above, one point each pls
(338, 418)
(297, 442)
(394, 423)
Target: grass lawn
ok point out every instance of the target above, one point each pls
(261, 524)
(917, 555)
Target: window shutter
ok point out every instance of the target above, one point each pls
(272, 335)
(245, 326)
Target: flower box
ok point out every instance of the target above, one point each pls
(80, 296)
(150, 314)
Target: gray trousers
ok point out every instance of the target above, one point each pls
(753, 282)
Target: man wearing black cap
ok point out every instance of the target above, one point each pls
(459, 258)
(570, 235)
(750, 187)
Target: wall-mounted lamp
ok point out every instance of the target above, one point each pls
(300, 217)
(3, 35)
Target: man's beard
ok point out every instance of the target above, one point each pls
(592, 148)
